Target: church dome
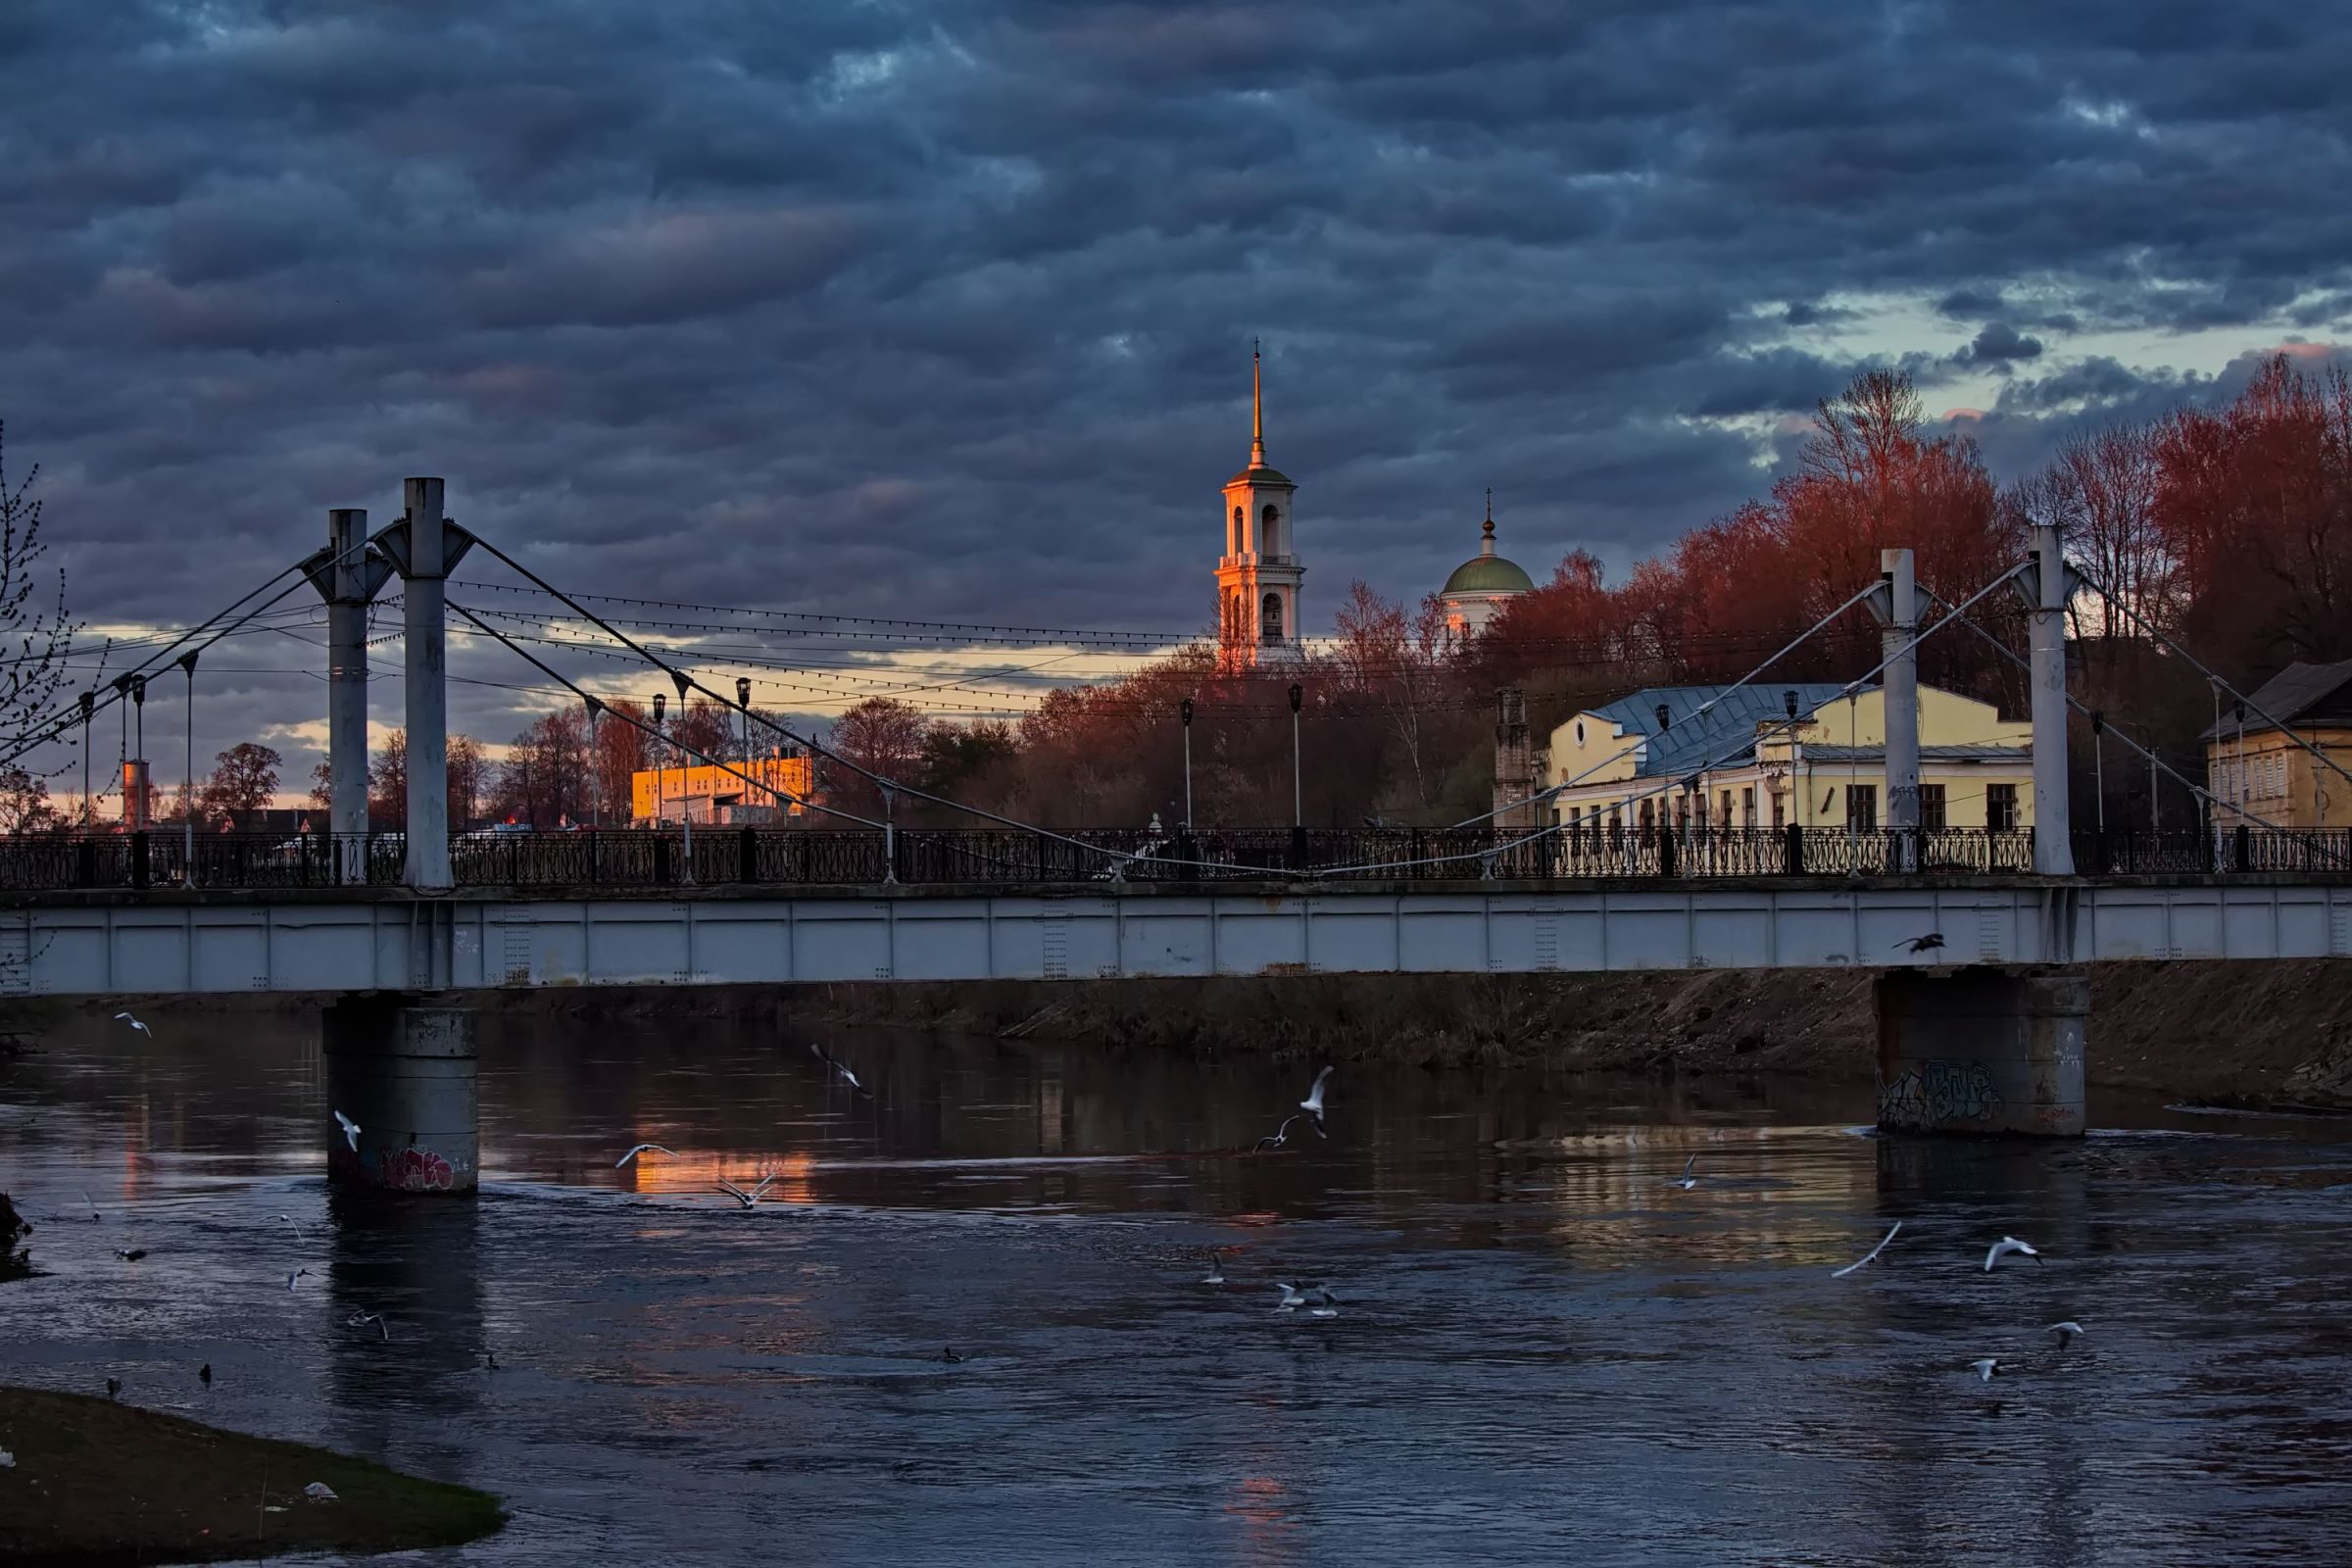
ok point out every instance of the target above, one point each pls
(1487, 574)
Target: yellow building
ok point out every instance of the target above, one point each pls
(763, 788)
(2258, 774)
(1654, 758)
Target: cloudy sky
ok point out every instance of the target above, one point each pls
(943, 308)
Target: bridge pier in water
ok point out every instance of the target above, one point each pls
(405, 1072)
(1982, 1051)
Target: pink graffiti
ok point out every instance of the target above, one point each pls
(415, 1170)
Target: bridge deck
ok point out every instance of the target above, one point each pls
(305, 940)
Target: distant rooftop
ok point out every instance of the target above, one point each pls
(2319, 694)
(1725, 734)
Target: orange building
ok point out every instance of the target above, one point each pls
(763, 789)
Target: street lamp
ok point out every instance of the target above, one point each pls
(2098, 769)
(1298, 794)
(138, 702)
(89, 705)
(1185, 710)
(743, 701)
(187, 813)
(661, 762)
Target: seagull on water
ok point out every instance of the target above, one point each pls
(204, 1374)
(2068, 1332)
(360, 1320)
(1685, 1181)
(2003, 1248)
(747, 1200)
(1279, 1137)
(1216, 1274)
(948, 1354)
(351, 1131)
(125, 1017)
(297, 1274)
(1873, 1253)
(1291, 1301)
(1927, 943)
(1313, 1105)
(1985, 1368)
(841, 1068)
(131, 1255)
(642, 1148)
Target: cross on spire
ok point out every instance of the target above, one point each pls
(1487, 532)
(1257, 409)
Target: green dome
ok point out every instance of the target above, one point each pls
(1487, 574)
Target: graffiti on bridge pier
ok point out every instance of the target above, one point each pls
(1937, 1094)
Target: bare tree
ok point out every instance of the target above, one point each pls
(1397, 656)
(39, 633)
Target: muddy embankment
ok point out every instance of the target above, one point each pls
(2245, 1033)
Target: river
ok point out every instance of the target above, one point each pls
(1545, 1350)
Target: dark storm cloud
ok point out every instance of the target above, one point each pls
(942, 308)
(1998, 345)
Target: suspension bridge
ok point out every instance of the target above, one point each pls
(1977, 935)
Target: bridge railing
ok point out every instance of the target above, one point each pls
(747, 856)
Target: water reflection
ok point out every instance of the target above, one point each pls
(1546, 1348)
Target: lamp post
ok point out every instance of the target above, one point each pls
(89, 707)
(1185, 710)
(661, 764)
(187, 813)
(743, 702)
(138, 705)
(2155, 807)
(1298, 790)
(2098, 769)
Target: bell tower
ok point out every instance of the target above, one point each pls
(1258, 576)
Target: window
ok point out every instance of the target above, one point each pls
(1723, 817)
(1265, 531)
(1647, 821)
(1862, 807)
(1930, 808)
(1240, 532)
(1580, 732)
(2000, 806)
(1748, 806)
(1780, 809)
(1269, 618)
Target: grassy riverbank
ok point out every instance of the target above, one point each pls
(96, 1482)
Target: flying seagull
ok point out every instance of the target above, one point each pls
(2068, 1332)
(2003, 1248)
(1329, 1305)
(360, 1320)
(841, 1068)
(1873, 1253)
(125, 1017)
(291, 1220)
(639, 1149)
(747, 1200)
(351, 1131)
(92, 1205)
(1291, 1301)
(1216, 1271)
(1279, 1137)
(297, 1274)
(1985, 1368)
(948, 1354)
(1313, 1105)
(1927, 943)
(1685, 1181)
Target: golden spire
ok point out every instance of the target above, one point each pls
(1257, 409)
